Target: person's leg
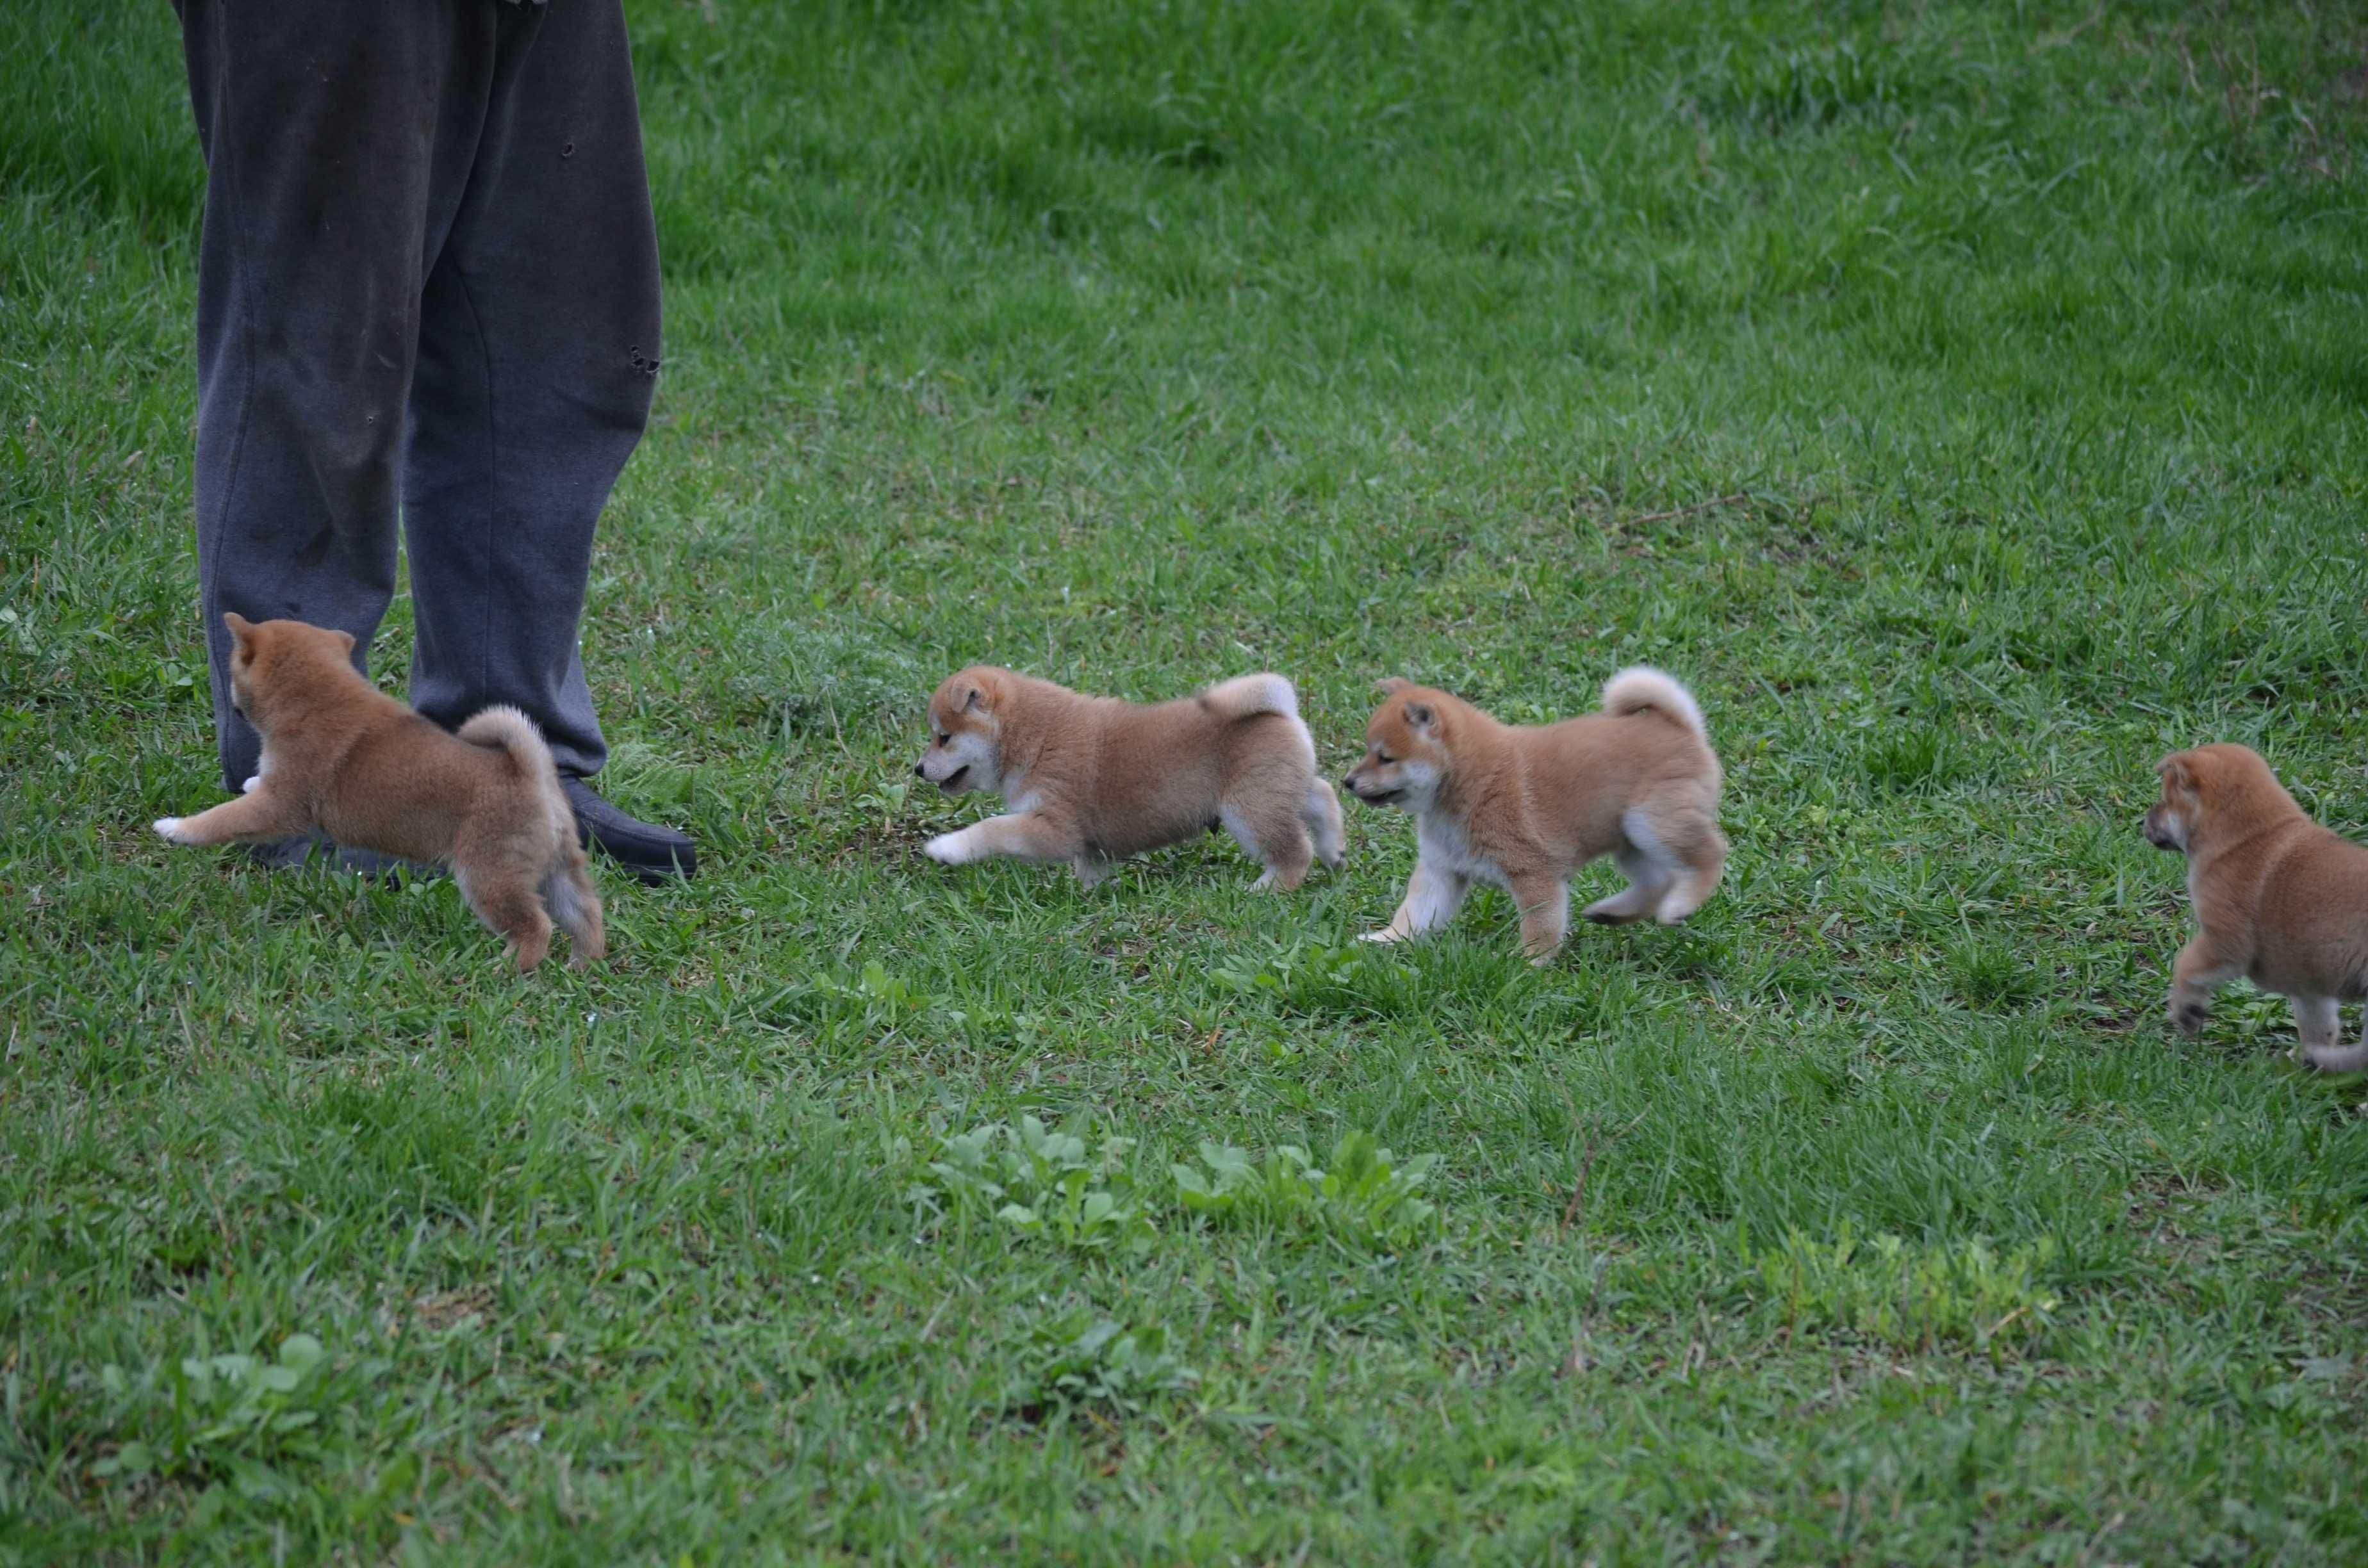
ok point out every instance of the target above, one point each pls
(537, 354)
(333, 133)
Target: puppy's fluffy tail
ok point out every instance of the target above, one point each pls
(1641, 687)
(503, 728)
(565, 885)
(1245, 696)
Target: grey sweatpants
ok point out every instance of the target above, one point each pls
(427, 290)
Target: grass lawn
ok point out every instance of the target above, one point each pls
(1970, 400)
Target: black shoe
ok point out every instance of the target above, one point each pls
(650, 853)
(312, 849)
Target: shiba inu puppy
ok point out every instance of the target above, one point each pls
(1089, 779)
(1525, 806)
(342, 758)
(2278, 899)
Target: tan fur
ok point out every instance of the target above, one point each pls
(2278, 899)
(1525, 806)
(342, 758)
(1090, 779)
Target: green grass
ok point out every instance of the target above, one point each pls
(1138, 346)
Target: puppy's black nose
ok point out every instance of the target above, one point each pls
(920, 772)
(1349, 782)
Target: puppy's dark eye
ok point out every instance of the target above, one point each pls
(941, 740)
(1383, 758)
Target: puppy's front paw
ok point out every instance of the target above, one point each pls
(168, 829)
(948, 849)
(2189, 1016)
(1387, 933)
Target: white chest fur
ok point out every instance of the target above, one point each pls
(1440, 847)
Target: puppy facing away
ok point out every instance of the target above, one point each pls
(1089, 780)
(1525, 806)
(2278, 899)
(342, 758)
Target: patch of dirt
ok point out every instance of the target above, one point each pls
(2158, 1202)
(446, 1310)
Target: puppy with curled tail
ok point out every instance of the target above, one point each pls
(342, 758)
(1090, 780)
(1525, 806)
(2278, 899)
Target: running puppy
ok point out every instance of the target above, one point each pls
(342, 758)
(2278, 899)
(1089, 779)
(1525, 806)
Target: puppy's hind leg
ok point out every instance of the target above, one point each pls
(2318, 1044)
(1275, 837)
(1649, 883)
(574, 903)
(2340, 1058)
(1322, 816)
(1685, 839)
(505, 901)
(2319, 1020)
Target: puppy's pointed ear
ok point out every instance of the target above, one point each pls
(242, 631)
(348, 639)
(975, 699)
(2177, 771)
(1390, 685)
(1423, 717)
